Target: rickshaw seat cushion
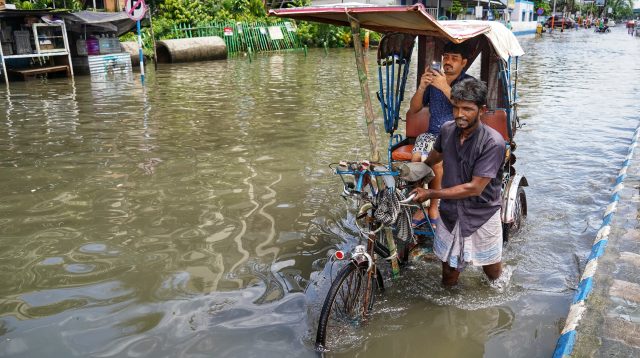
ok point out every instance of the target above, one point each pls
(497, 119)
(417, 123)
(402, 152)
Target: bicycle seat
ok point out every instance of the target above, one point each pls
(415, 171)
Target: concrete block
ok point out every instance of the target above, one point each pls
(630, 258)
(623, 331)
(626, 290)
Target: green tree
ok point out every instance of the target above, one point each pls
(456, 8)
(544, 5)
(169, 13)
(621, 8)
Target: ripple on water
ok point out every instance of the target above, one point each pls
(52, 261)
(79, 268)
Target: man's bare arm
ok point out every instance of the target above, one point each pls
(415, 105)
(466, 190)
(434, 158)
(416, 101)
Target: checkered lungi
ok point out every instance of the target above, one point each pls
(483, 247)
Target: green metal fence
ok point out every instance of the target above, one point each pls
(246, 37)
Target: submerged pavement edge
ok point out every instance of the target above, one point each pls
(609, 316)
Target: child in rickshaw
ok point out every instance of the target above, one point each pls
(434, 91)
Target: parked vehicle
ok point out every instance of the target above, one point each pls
(559, 21)
(372, 184)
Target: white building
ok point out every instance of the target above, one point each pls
(523, 11)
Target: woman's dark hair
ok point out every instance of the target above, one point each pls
(470, 89)
(460, 49)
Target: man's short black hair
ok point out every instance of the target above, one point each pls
(460, 49)
(470, 89)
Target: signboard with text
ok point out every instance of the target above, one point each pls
(290, 27)
(275, 33)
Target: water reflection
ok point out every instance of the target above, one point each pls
(449, 332)
(194, 216)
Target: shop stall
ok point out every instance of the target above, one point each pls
(50, 42)
(33, 43)
(95, 48)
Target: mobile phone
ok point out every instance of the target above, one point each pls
(436, 66)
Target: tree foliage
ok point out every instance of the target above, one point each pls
(621, 8)
(46, 4)
(537, 4)
(456, 7)
(167, 14)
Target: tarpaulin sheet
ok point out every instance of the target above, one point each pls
(91, 21)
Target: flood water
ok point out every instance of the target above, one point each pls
(192, 217)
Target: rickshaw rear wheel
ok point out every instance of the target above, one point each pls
(348, 302)
(519, 214)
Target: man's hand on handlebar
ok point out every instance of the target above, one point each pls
(421, 194)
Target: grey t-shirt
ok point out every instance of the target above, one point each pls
(482, 155)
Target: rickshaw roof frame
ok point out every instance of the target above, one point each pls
(413, 19)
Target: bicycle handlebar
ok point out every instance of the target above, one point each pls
(362, 173)
(367, 171)
(409, 199)
(362, 167)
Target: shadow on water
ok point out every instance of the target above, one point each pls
(195, 216)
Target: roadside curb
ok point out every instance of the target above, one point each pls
(565, 344)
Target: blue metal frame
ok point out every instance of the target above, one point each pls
(395, 83)
(360, 174)
(510, 96)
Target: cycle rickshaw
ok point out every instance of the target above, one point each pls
(378, 187)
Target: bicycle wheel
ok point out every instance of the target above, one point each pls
(348, 302)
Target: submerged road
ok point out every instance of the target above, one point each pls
(193, 218)
(607, 321)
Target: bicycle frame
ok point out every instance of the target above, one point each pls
(360, 180)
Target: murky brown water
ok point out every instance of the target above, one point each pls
(192, 217)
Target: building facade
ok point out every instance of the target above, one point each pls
(523, 11)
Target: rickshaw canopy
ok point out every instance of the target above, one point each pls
(412, 19)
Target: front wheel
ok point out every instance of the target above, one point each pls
(519, 214)
(348, 302)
